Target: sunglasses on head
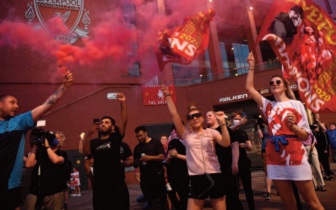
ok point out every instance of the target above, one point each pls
(192, 116)
(278, 82)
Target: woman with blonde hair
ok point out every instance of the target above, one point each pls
(205, 177)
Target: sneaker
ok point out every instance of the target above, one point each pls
(268, 196)
(322, 188)
(329, 178)
(168, 187)
(78, 195)
(73, 195)
(317, 188)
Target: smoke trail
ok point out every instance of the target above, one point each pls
(117, 37)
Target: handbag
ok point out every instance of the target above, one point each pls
(201, 185)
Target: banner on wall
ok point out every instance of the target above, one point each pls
(152, 95)
(303, 36)
(184, 43)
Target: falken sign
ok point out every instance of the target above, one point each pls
(233, 98)
(72, 12)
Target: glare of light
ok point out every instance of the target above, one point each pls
(201, 75)
(251, 8)
(236, 74)
(232, 48)
(210, 1)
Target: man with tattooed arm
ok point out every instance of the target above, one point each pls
(13, 127)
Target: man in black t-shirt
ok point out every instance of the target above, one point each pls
(228, 160)
(177, 172)
(244, 163)
(148, 155)
(110, 190)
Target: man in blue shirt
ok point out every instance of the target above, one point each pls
(12, 136)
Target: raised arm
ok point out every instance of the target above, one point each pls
(322, 125)
(54, 158)
(87, 138)
(249, 85)
(225, 141)
(121, 97)
(179, 127)
(243, 121)
(39, 111)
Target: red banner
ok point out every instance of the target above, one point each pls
(303, 36)
(184, 43)
(152, 95)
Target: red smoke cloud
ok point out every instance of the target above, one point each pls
(18, 33)
(113, 37)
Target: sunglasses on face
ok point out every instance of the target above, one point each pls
(278, 82)
(192, 116)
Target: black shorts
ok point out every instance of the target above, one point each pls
(10, 199)
(217, 191)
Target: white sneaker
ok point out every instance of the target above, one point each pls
(168, 187)
(79, 195)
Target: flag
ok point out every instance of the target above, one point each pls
(152, 95)
(184, 43)
(303, 36)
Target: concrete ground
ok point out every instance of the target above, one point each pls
(328, 198)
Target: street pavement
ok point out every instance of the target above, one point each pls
(328, 198)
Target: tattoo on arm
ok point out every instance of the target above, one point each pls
(52, 100)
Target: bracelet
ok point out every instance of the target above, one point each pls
(251, 69)
(47, 148)
(222, 124)
(167, 94)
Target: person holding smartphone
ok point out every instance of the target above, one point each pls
(110, 190)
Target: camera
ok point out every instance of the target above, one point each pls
(38, 135)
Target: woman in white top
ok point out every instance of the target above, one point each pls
(287, 127)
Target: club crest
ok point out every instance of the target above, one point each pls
(69, 16)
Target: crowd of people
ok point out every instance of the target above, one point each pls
(210, 161)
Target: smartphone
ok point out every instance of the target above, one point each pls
(111, 96)
(244, 114)
(96, 120)
(82, 135)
